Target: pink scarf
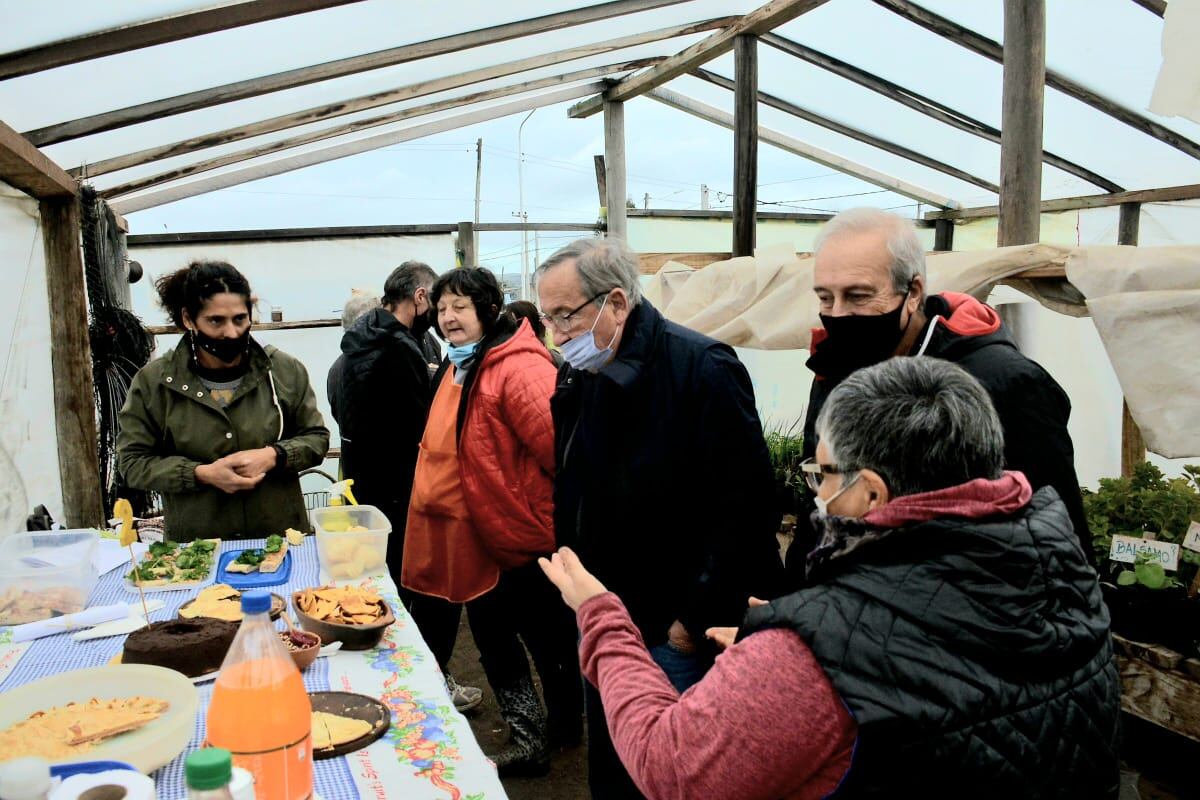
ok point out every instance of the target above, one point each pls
(978, 498)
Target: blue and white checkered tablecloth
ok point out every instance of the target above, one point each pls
(332, 777)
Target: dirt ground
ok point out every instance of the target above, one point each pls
(568, 769)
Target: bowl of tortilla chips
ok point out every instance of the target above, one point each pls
(352, 615)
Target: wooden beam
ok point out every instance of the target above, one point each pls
(1021, 122)
(1166, 195)
(761, 20)
(854, 133)
(340, 232)
(1154, 6)
(296, 325)
(147, 34)
(718, 213)
(745, 144)
(465, 243)
(303, 76)
(24, 167)
(601, 185)
(1133, 444)
(924, 105)
(986, 47)
(366, 144)
(614, 169)
(412, 112)
(402, 93)
(812, 153)
(943, 235)
(71, 364)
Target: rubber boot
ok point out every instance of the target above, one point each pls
(528, 752)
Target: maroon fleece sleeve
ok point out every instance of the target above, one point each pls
(763, 723)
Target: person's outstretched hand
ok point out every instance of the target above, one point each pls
(576, 583)
(725, 637)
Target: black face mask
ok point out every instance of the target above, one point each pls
(422, 323)
(857, 341)
(224, 350)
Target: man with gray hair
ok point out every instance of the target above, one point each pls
(953, 642)
(359, 304)
(663, 482)
(869, 278)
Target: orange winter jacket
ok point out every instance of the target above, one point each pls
(506, 450)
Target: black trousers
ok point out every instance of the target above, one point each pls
(525, 607)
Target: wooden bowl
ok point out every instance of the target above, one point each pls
(304, 657)
(352, 637)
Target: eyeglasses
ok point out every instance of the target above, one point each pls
(814, 473)
(563, 321)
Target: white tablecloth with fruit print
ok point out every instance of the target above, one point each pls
(429, 751)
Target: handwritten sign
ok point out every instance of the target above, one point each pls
(1192, 540)
(1127, 549)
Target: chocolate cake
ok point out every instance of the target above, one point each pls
(191, 646)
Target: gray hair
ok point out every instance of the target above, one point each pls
(908, 256)
(922, 423)
(404, 281)
(603, 264)
(357, 307)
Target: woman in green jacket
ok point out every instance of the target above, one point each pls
(220, 426)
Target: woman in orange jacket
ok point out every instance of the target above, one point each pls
(482, 508)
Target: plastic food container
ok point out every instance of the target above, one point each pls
(351, 540)
(46, 574)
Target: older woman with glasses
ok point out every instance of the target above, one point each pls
(952, 642)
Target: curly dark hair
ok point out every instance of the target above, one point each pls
(189, 288)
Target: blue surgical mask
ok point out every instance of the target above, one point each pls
(460, 354)
(581, 352)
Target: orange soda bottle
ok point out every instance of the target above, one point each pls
(260, 711)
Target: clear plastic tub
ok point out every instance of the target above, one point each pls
(46, 574)
(348, 554)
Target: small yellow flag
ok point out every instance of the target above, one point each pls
(124, 513)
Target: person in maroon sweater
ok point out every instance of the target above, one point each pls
(893, 673)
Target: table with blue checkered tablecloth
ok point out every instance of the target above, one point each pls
(429, 752)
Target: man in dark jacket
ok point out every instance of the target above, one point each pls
(663, 480)
(869, 278)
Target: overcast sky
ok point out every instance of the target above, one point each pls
(1110, 45)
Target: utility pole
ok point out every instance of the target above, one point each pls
(646, 202)
(522, 214)
(478, 183)
(704, 197)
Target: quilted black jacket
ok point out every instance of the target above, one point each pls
(974, 655)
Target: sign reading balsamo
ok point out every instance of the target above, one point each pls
(1128, 548)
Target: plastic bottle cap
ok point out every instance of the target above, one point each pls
(210, 768)
(256, 602)
(24, 778)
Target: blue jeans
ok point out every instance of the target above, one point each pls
(684, 670)
(607, 777)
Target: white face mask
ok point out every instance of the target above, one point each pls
(823, 504)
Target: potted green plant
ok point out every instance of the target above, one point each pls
(785, 446)
(1148, 603)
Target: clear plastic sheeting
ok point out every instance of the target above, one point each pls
(1113, 49)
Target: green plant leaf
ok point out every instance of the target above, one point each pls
(1126, 578)
(1152, 576)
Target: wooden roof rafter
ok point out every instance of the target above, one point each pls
(227, 159)
(804, 150)
(399, 94)
(971, 40)
(1168, 194)
(854, 133)
(255, 172)
(761, 20)
(253, 87)
(923, 104)
(98, 44)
